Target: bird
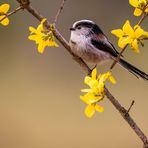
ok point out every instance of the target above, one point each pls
(88, 42)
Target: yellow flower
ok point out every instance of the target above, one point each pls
(4, 8)
(128, 35)
(140, 6)
(96, 91)
(91, 100)
(42, 37)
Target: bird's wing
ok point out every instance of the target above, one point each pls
(103, 44)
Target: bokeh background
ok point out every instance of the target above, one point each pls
(39, 94)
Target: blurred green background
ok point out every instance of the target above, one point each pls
(39, 94)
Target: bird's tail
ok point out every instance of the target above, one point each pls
(138, 73)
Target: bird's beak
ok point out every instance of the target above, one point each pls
(72, 29)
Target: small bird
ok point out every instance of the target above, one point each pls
(89, 42)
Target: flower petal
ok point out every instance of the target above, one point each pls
(118, 32)
(41, 47)
(145, 34)
(4, 8)
(4, 22)
(32, 29)
(138, 32)
(127, 28)
(43, 21)
(146, 10)
(86, 90)
(40, 28)
(103, 78)
(52, 44)
(99, 108)
(94, 74)
(101, 88)
(134, 46)
(137, 12)
(32, 37)
(124, 41)
(90, 110)
(85, 99)
(87, 80)
(134, 3)
(112, 79)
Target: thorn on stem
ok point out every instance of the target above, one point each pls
(130, 107)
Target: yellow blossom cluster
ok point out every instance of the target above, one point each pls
(4, 8)
(95, 93)
(128, 35)
(42, 37)
(140, 6)
(136, 35)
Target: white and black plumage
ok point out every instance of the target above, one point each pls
(89, 42)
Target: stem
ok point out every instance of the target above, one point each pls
(11, 13)
(118, 58)
(59, 11)
(142, 18)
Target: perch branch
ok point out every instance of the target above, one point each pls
(127, 118)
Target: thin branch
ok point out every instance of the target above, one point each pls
(11, 13)
(85, 67)
(118, 58)
(130, 106)
(142, 18)
(59, 11)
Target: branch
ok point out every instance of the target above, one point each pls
(118, 58)
(59, 11)
(142, 18)
(85, 67)
(127, 118)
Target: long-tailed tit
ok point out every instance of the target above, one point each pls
(89, 42)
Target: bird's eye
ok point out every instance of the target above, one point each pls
(79, 28)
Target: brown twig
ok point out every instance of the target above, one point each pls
(130, 106)
(118, 58)
(59, 11)
(142, 18)
(11, 13)
(116, 104)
